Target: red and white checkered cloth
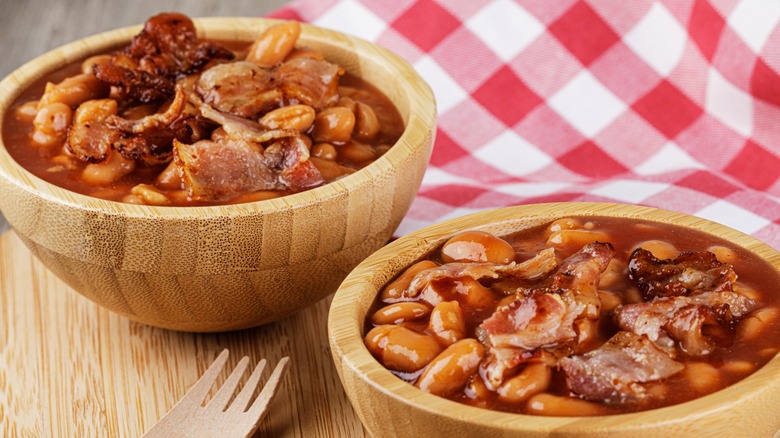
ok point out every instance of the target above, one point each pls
(672, 104)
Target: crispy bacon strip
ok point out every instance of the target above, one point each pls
(213, 171)
(577, 278)
(166, 49)
(238, 128)
(543, 316)
(309, 81)
(89, 138)
(532, 322)
(240, 88)
(683, 318)
(537, 267)
(154, 121)
(690, 272)
(615, 372)
(247, 90)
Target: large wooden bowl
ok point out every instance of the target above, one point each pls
(227, 267)
(389, 407)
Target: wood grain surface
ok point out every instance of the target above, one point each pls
(71, 368)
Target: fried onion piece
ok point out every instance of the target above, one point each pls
(167, 48)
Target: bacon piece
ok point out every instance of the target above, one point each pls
(615, 372)
(136, 85)
(297, 172)
(682, 319)
(150, 138)
(532, 322)
(539, 266)
(310, 81)
(501, 361)
(239, 128)
(89, 138)
(247, 90)
(690, 272)
(240, 88)
(214, 171)
(153, 121)
(577, 279)
(543, 316)
(166, 49)
(302, 176)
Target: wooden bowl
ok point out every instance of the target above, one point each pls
(234, 266)
(391, 407)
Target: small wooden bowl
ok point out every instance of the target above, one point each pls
(391, 407)
(226, 267)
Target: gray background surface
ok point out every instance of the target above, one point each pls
(29, 28)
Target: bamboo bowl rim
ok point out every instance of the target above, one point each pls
(421, 118)
(346, 319)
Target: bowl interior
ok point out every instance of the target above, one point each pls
(357, 293)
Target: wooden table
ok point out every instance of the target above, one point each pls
(71, 368)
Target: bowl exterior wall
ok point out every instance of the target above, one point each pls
(214, 274)
(226, 267)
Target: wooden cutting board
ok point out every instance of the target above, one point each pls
(71, 368)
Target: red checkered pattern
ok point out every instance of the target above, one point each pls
(672, 104)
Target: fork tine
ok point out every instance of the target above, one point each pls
(226, 391)
(258, 408)
(243, 398)
(201, 388)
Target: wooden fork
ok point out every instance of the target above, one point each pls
(189, 418)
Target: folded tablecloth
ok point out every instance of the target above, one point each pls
(672, 104)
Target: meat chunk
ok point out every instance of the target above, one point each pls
(543, 315)
(539, 266)
(577, 278)
(214, 171)
(240, 88)
(683, 318)
(247, 90)
(532, 322)
(154, 121)
(616, 371)
(290, 157)
(690, 272)
(90, 139)
(166, 49)
(310, 81)
(238, 128)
